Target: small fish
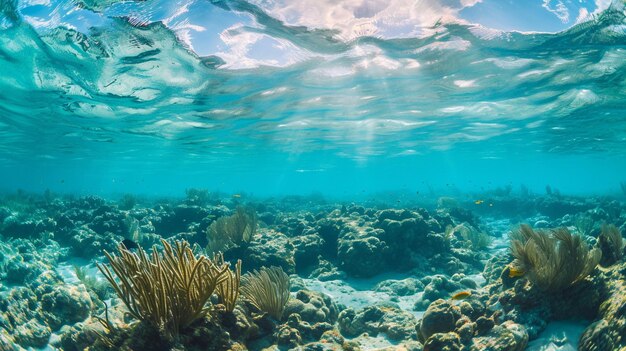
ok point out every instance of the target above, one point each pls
(514, 272)
(461, 295)
(490, 205)
(478, 202)
(236, 196)
(129, 244)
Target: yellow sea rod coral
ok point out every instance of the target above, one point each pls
(169, 289)
(267, 290)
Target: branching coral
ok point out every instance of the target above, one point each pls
(227, 232)
(168, 290)
(267, 290)
(552, 260)
(228, 290)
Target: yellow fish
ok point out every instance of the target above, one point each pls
(478, 202)
(461, 295)
(514, 272)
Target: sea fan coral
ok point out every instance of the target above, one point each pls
(267, 290)
(227, 232)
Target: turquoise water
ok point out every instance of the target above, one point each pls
(386, 174)
(108, 97)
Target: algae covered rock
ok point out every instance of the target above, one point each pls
(308, 248)
(395, 323)
(326, 271)
(21, 261)
(361, 253)
(508, 336)
(307, 332)
(311, 314)
(440, 317)
(288, 337)
(405, 287)
(312, 307)
(87, 243)
(410, 234)
(268, 248)
(329, 230)
(23, 226)
(443, 342)
(32, 334)
(442, 287)
(66, 305)
(609, 330)
(80, 336)
(6, 342)
(174, 220)
(599, 336)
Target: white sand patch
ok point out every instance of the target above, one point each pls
(559, 336)
(357, 293)
(373, 343)
(67, 271)
(343, 293)
(478, 279)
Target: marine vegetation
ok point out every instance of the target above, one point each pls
(584, 224)
(474, 238)
(267, 290)
(611, 243)
(228, 232)
(99, 287)
(127, 202)
(167, 290)
(552, 260)
(228, 289)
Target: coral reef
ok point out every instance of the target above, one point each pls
(608, 329)
(553, 261)
(398, 325)
(362, 275)
(231, 231)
